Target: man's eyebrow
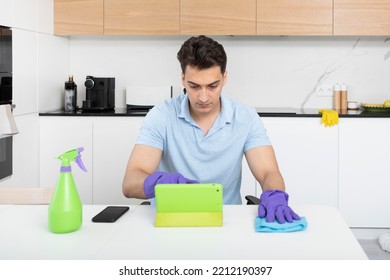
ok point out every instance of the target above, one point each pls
(213, 83)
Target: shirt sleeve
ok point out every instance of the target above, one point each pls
(257, 135)
(152, 132)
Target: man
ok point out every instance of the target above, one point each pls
(201, 136)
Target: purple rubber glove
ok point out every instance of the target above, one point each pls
(274, 204)
(164, 178)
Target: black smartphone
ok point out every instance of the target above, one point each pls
(110, 214)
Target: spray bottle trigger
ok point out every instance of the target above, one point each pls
(80, 163)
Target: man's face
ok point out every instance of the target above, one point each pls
(204, 89)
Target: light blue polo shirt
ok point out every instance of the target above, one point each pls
(212, 158)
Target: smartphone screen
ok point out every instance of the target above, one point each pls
(110, 214)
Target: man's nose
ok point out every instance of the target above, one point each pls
(203, 95)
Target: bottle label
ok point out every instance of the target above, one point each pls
(69, 101)
(65, 169)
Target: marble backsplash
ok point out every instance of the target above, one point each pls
(262, 71)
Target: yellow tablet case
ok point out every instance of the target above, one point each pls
(189, 205)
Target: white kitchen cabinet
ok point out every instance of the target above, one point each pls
(113, 141)
(6, 12)
(25, 14)
(108, 142)
(22, 14)
(45, 16)
(53, 57)
(24, 48)
(307, 154)
(61, 134)
(344, 166)
(25, 153)
(306, 151)
(364, 171)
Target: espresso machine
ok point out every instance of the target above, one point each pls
(100, 94)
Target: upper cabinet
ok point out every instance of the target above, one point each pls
(25, 14)
(222, 17)
(141, 17)
(295, 17)
(20, 14)
(6, 12)
(218, 17)
(361, 17)
(78, 17)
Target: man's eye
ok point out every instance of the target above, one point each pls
(194, 86)
(213, 86)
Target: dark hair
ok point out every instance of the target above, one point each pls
(202, 52)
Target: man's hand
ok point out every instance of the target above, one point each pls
(274, 204)
(164, 178)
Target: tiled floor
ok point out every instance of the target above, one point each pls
(373, 249)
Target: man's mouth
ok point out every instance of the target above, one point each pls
(203, 105)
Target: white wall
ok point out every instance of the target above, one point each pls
(263, 71)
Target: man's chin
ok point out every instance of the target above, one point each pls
(203, 110)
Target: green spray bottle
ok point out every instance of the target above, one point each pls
(65, 210)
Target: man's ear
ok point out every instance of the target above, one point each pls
(224, 77)
(182, 78)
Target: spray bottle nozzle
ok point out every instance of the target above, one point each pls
(72, 155)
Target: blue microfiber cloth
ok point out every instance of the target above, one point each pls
(296, 225)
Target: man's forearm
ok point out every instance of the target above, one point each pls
(273, 181)
(133, 184)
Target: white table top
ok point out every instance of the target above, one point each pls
(24, 235)
(3, 207)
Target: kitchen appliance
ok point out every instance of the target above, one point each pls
(100, 94)
(5, 157)
(5, 97)
(5, 65)
(143, 98)
(6, 89)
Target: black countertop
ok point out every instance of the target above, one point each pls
(263, 112)
(117, 112)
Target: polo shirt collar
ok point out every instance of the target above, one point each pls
(185, 109)
(226, 115)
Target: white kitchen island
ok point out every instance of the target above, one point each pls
(24, 235)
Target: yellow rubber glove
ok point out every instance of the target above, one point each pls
(329, 117)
